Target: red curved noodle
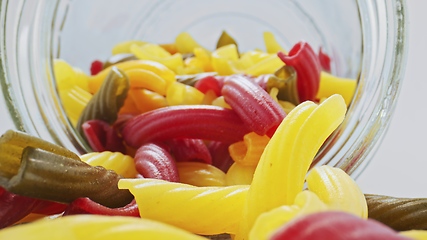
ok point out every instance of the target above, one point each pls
(189, 150)
(87, 206)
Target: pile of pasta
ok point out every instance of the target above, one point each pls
(193, 144)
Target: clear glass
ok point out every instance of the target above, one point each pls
(366, 40)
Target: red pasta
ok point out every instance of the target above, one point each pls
(187, 121)
(102, 137)
(325, 61)
(306, 64)
(87, 206)
(220, 155)
(189, 150)
(254, 105)
(209, 83)
(154, 161)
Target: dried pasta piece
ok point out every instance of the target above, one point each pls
(94, 227)
(154, 161)
(142, 78)
(226, 39)
(271, 44)
(145, 100)
(74, 100)
(338, 190)
(201, 210)
(189, 150)
(50, 176)
(324, 60)
(200, 174)
(122, 164)
(414, 234)
(220, 155)
(161, 70)
(87, 206)
(12, 144)
(255, 107)
(181, 94)
(124, 47)
(306, 64)
(117, 58)
(238, 174)
(335, 225)
(401, 214)
(185, 43)
(330, 84)
(288, 156)
(284, 80)
(101, 136)
(306, 202)
(195, 121)
(156, 53)
(106, 103)
(249, 151)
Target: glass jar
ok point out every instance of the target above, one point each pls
(365, 39)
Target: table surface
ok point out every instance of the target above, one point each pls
(399, 166)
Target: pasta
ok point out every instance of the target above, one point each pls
(200, 174)
(284, 162)
(106, 103)
(122, 164)
(93, 227)
(248, 151)
(306, 64)
(201, 210)
(189, 150)
(239, 174)
(338, 190)
(154, 161)
(401, 214)
(253, 105)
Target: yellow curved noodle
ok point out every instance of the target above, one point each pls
(200, 174)
(124, 47)
(330, 84)
(271, 44)
(156, 53)
(185, 43)
(94, 227)
(306, 202)
(141, 78)
(220, 102)
(288, 155)
(415, 234)
(182, 94)
(338, 190)
(223, 59)
(146, 100)
(238, 174)
(201, 210)
(67, 77)
(248, 151)
(74, 101)
(122, 164)
(153, 66)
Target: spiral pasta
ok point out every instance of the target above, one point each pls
(94, 227)
(201, 210)
(122, 164)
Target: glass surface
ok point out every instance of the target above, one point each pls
(366, 40)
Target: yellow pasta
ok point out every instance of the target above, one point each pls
(74, 101)
(122, 164)
(156, 53)
(306, 202)
(185, 43)
(141, 78)
(271, 44)
(95, 227)
(238, 174)
(146, 100)
(288, 155)
(124, 47)
(200, 174)
(220, 102)
(330, 84)
(201, 210)
(182, 94)
(248, 151)
(415, 234)
(338, 190)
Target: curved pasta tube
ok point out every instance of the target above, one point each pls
(94, 227)
(238, 174)
(248, 151)
(182, 94)
(330, 84)
(338, 190)
(306, 202)
(122, 164)
(201, 210)
(200, 174)
(287, 157)
(142, 78)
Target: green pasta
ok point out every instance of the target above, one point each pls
(226, 39)
(284, 80)
(53, 177)
(191, 79)
(401, 214)
(118, 58)
(108, 100)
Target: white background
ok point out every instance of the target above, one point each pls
(400, 165)
(399, 168)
